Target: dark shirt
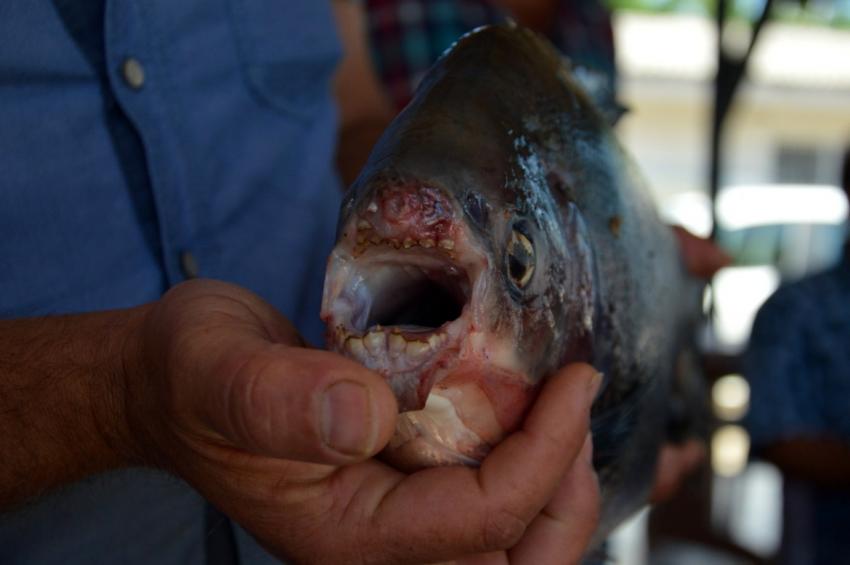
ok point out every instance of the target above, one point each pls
(798, 366)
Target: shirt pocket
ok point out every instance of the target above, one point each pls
(288, 51)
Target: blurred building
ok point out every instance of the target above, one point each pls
(789, 125)
(790, 120)
(780, 212)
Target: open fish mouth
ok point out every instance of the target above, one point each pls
(401, 306)
(411, 293)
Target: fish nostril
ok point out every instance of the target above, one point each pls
(476, 209)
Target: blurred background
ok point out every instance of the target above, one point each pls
(779, 213)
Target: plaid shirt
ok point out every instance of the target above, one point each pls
(408, 36)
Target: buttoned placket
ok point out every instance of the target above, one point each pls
(137, 77)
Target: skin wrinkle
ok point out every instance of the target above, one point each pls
(134, 449)
(256, 414)
(241, 303)
(481, 477)
(115, 434)
(374, 511)
(345, 515)
(234, 422)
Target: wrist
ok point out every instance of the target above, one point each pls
(118, 387)
(62, 400)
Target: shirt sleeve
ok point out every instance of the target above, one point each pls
(783, 399)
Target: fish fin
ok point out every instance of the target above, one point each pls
(598, 87)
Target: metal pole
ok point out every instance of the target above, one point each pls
(730, 71)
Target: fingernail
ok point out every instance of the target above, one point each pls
(347, 418)
(595, 384)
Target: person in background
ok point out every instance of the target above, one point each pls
(798, 366)
(148, 415)
(407, 36)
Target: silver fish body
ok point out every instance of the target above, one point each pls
(497, 232)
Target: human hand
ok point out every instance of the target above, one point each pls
(702, 257)
(675, 463)
(220, 390)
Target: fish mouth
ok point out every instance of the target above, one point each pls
(402, 306)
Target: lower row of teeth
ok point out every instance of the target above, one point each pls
(379, 343)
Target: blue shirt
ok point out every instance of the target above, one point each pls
(798, 366)
(141, 142)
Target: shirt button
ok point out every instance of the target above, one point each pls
(189, 265)
(134, 73)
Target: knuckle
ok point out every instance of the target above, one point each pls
(502, 529)
(247, 407)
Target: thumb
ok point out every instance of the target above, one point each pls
(296, 403)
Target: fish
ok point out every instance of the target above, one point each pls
(497, 232)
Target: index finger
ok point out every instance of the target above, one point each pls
(443, 513)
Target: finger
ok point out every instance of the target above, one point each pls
(702, 257)
(675, 463)
(206, 302)
(294, 403)
(476, 511)
(492, 558)
(561, 533)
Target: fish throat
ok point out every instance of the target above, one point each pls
(402, 296)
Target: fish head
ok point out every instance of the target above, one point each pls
(460, 276)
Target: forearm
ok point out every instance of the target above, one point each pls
(825, 462)
(62, 400)
(364, 108)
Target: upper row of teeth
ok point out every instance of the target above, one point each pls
(407, 243)
(378, 343)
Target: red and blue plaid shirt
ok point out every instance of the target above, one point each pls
(408, 36)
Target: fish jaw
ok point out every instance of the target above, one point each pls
(466, 414)
(409, 294)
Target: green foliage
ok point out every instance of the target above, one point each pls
(834, 13)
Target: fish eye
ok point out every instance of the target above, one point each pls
(520, 259)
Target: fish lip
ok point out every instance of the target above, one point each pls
(430, 352)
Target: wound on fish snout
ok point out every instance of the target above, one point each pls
(420, 212)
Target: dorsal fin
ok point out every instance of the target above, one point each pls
(598, 87)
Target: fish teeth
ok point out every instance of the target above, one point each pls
(355, 345)
(426, 243)
(408, 243)
(417, 349)
(447, 244)
(397, 344)
(364, 225)
(434, 341)
(376, 342)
